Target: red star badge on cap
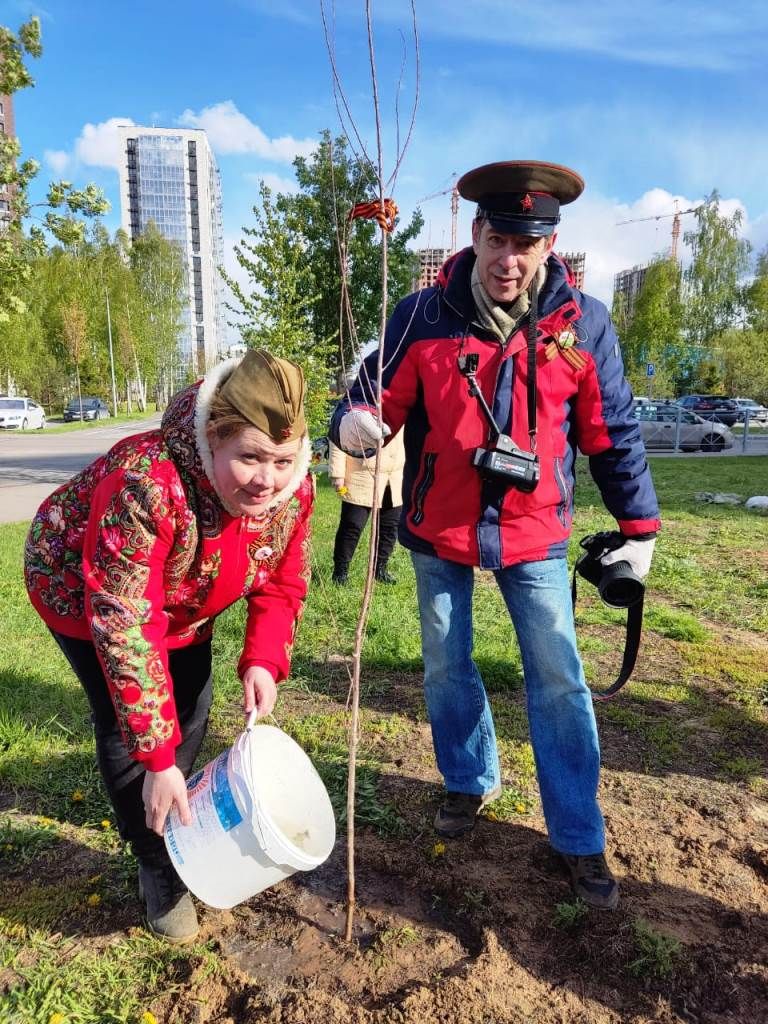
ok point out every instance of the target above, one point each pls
(285, 432)
(527, 202)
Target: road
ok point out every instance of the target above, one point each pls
(35, 463)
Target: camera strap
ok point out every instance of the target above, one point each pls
(533, 331)
(631, 644)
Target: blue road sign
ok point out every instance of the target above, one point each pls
(651, 370)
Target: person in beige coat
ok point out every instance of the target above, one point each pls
(353, 480)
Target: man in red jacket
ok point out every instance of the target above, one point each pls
(492, 489)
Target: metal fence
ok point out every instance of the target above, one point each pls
(673, 428)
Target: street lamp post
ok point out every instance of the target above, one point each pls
(111, 355)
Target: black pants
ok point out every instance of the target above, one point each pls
(190, 669)
(351, 525)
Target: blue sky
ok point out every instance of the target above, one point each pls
(650, 102)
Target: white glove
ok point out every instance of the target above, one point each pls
(359, 432)
(637, 552)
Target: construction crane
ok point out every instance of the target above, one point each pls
(675, 224)
(454, 208)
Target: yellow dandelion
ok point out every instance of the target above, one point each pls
(94, 879)
(46, 821)
(57, 1018)
(148, 1018)
(438, 849)
(343, 490)
(106, 823)
(93, 900)
(490, 815)
(520, 807)
(77, 796)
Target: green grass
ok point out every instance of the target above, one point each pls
(656, 954)
(708, 582)
(570, 914)
(122, 417)
(113, 986)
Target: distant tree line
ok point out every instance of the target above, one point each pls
(706, 327)
(82, 298)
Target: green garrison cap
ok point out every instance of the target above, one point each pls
(269, 393)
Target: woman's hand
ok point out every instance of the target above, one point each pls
(337, 482)
(259, 691)
(161, 790)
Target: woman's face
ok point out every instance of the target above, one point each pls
(250, 469)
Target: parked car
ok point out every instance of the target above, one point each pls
(92, 409)
(320, 452)
(757, 413)
(658, 426)
(20, 414)
(712, 407)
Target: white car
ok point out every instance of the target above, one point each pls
(757, 413)
(658, 426)
(20, 414)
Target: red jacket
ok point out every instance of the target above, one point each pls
(449, 510)
(137, 554)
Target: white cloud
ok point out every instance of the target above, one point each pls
(99, 145)
(230, 131)
(274, 182)
(57, 159)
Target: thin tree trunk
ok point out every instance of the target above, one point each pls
(375, 515)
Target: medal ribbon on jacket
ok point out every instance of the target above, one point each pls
(563, 344)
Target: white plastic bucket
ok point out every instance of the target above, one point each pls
(259, 811)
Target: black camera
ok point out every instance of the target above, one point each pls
(507, 463)
(617, 584)
(503, 462)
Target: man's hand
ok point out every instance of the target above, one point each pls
(359, 432)
(161, 790)
(637, 552)
(259, 691)
(337, 482)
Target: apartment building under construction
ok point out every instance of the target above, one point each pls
(430, 261)
(577, 262)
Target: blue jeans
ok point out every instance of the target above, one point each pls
(560, 713)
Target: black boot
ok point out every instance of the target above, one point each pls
(383, 576)
(340, 575)
(592, 880)
(171, 914)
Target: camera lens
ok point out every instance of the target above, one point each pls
(619, 586)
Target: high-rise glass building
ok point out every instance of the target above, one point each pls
(169, 176)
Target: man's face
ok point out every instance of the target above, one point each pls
(507, 263)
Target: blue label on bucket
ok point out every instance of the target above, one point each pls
(223, 800)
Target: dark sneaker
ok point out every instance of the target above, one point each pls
(340, 577)
(171, 914)
(592, 880)
(385, 577)
(458, 812)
